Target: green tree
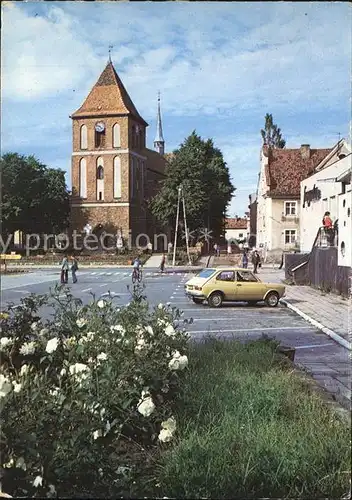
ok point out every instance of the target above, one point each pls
(34, 198)
(271, 134)
(201, 170)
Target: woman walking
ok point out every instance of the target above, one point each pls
(64, 270)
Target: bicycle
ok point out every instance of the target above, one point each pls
(137, 275)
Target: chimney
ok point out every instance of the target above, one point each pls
(305, 151)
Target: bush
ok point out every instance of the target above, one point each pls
(86, 394)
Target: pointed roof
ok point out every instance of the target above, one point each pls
(108, 97)
(159, 129)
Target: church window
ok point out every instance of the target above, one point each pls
(100, 178)
(99, 139)
(100, 172)
(83, 178)
(84, 137)
(100, 196)
(117, 177)
(116, 137)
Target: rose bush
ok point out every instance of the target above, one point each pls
(86, 394)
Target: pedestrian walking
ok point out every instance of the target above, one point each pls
(329, 228)
(64, 270)
(215, 248)
(162, 263)
(256, 261)
(74, 269)
(245, 260)
(150, 248)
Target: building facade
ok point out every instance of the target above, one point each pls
(328, 189)
(114, 174)
(278, 195)
(236, 229)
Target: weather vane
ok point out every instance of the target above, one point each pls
(158, 95)
(110, 49)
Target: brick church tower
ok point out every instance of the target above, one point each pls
(113, 173)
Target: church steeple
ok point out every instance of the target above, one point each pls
(159, 143)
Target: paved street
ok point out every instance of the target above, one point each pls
(329, 361)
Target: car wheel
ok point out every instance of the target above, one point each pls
(197, 301)
(252, 302)
(272, 299)
(215, 299)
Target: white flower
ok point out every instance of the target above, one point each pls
(178, 362)
(169, 424)
(146, 406)
(161, 306)
(20, 464)
(23, 370)
(101, 303)
(44, 331)
(161, 322)
(27, 348)
(170, 331)
(149, 329)
(90, 335)
(9, 464)
(5, 386)
(165, 435)
(34, 326)
(62, 372)
(38, 481)
(79, 369)
(54, 392)
(118, 328)
(102, 356)
(16, 386)
(81, 322)
(52, 344)
(5, 341)
(97, 434)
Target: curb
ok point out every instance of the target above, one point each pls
(337, 338)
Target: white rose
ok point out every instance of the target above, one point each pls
(165, 435)
(146, 406)
(62, 372)
(80, 370)
(16, 386)
(90, 335)
(28, 348)
(149, 329)
(81, 322)
(161, 306)
(169, 424)
(118, 328)
(5, 341)
(170, 331)
(54, 392)
(140, 344)
(102, 356)
(101, 303)
(178, 362)
(34, 326)
(37, 481)
(23, 370)
(52, 344)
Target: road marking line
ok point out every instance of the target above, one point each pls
(254, 329)
(86, 290)
(313, 345)
(21, 291)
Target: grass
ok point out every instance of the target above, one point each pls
(249, 428)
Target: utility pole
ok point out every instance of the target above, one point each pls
(176, 228)
(186, 230)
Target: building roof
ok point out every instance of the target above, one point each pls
(288, 167)
(155, 161)
(108, 97)
(238, 223)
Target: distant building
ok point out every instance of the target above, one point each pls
(114, 174)
(236, 228)
(278, 197)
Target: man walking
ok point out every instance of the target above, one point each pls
(245, 260)
(162, 263)
(255, 261)
(74, 269)
(64, 270)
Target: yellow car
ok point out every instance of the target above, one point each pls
(218, 285)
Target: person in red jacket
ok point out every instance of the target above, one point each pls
(329, 228)
(327, 222)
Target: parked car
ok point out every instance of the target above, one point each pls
(218, 285)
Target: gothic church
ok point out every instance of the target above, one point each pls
(114, 174)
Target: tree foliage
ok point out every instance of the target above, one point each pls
(201, 170)
(34, 197)
(271, 134)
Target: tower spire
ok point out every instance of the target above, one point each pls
(159, 143)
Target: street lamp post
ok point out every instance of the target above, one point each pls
(176, 228)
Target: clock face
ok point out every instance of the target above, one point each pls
(100, 127)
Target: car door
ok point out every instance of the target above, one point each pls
(248, 287)
(225, 282)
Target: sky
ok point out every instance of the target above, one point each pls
(220, 67)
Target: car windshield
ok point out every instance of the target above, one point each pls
(206, 273)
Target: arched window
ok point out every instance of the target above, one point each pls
(117, 177)
(83, 178)
(100, 173)
(116, 136)
(84, 137)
